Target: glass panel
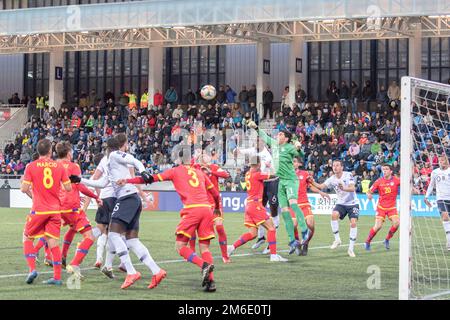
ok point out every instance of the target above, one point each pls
(345, 54)
(93, 84)
(109, 63)
(325, 63)
(135, 62)
(445, 52)
(314, 55)
(434, 74)
(194, 83)
(117, 90)
(392, 74)
(45, 87)
(392, 57)
(314, 88)
(144, 83)
(212, 59)
(186, 61)
(401, 73)
(222, 58)
(101, 65)
(335, 77)
(425, 73)
(425, 52)
(38, 66)
(324, 85)
(435, 54)
(185, 84)
(135, 85)
(355, 54)
(93, 63)
(334, 55)
(366, 54)
(403, 52)
(127, 62)
(194, 60)
(203, 59)
(175, 60)
(39, 87)
(83, 85)
(100, 87)
(382, 78)
(445, 75)
(144, 61)
(345, 76)
(70, 87)
(381, 54)
(46, 66)
(356, 77)
(83, 64)
(203, 79)
(219, 81)
(366, 76)
(127, 83)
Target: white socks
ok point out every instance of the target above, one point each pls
(446, 225)
(143, 254)
(110, 254)
(96, 232)
(122, 251)
(335, 229)
(353, 234)
(276, 221)
(101, 242)
(261, 232)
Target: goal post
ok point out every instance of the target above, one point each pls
(424, 261)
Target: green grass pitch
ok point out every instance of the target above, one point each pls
(323, 274)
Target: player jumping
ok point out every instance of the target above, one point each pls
(46, 176)
(283, 154)
(343, 184)
(255, 212)
(440, 179)
(387, 187)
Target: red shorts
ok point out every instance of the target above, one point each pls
(198, 219)
(40, 225)
(306, 209)
(255, 214)
(77, 221)
(382, 213)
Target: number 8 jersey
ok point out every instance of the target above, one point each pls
(45, 176)
(190, 183)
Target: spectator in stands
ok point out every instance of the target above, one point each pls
(230, 94)
(332, 93)
(300, 97)
(394, 92)
(285, 102)
(14, 99)
(221, 95)
(190, 97)
(344, 95)
(171, 96)
(252, 95)
(367, 95)
(243, 99)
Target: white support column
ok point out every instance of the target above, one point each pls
(262, 79)
(415, 53)
(55, 83)
(155, 72)
(297, 50)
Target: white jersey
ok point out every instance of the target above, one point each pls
(344, 198)
(118, 165)
(108, 191)
(264, 155)
(441, 180)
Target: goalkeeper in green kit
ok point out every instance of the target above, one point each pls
(283, 153)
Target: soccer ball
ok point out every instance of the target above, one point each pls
(208, 92)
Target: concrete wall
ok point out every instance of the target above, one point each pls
(11, 76)
(241, 67)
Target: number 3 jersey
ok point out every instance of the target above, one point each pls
(388, 191)
(190, 183)
(45, 175)
(344, 198)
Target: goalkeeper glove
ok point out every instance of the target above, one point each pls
(74, 178)
(148, 178)
(252, 124)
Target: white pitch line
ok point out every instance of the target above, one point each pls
(5, 276)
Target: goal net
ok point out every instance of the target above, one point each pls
(425, 129)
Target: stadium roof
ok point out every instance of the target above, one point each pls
(140, 24)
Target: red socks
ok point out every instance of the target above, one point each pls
(222, 240)
(243, 239)
(82, 251)
(207, 257)
(192, 243)
(372, 234)
(271, 238)
(68, 238)
(41, 242)
(191, 256)
(56, 253)
(311, 234)
(30, 254)
(391, 232)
